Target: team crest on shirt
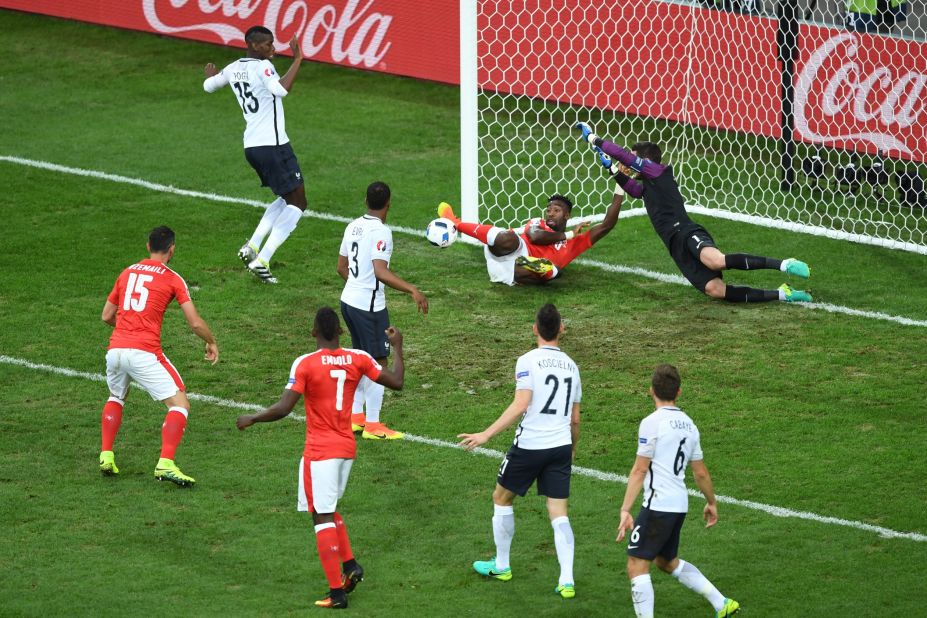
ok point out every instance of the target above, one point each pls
(381, 245)
(268, 71)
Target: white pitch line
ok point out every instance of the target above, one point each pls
(613, 268)
(610, 477)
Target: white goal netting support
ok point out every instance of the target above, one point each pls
(805, 115)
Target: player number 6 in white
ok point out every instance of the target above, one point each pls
(635, 535)
(341, 375)
(136, 285)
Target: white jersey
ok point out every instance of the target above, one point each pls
(553, 379)
(259, 94)
(670, 439)
(365, 239)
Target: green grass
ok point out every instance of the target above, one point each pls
(802, 409)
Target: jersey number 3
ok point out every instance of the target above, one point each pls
(249, 104)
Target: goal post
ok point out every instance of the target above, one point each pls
(709, 86)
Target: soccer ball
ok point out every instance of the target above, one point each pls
(441, 233)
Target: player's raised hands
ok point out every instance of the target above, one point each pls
(395, 336)
(294, 47)
(626, 523)
(210, 70)
(212, 353)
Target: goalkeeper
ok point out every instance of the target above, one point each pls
(689, 244)
(540, 250)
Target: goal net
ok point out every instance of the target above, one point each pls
(778, 115)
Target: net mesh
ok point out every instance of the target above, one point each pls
(706, 83)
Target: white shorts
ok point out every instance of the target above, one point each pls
(325, 481)
(153, 372)
(501, 269)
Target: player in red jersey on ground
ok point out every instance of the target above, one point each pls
(539, 251)
(327, 379)
(136, 309)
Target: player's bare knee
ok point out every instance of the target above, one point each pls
(667, 566)
(505, 243)
(712, 258)
(322, 518)
(715, 288)
(502, 496)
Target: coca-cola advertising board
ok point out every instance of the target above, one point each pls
(649, 57)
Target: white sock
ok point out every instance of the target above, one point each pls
(692, 578)
(563, 541)
(360, 396)
(503, 529)
(267, 222)
(782, 295)
(642, 596)
(374, 400)
(284, 224)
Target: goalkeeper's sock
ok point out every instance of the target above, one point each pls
(110, 421)
(744, 261)
(743, 294)
(285, 223)
(484, 233)
(267, 222)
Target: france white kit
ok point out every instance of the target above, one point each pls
(671, 440)
(257, 88)
(553, 379)
(365, 239)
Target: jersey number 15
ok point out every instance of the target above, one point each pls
(249, 104)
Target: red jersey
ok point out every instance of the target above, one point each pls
(560, 253)
(142, 294)
(327, 380)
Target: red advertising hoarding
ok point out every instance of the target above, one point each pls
(649, 57)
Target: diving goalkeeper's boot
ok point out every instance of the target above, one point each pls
(793, 296)
(796, 267)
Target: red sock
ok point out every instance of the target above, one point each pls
(344, 544)
(110, 420)
(172, 431)
(478, 231)
(326, 539)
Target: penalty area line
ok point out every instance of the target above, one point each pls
(608, 477)
(612, 268)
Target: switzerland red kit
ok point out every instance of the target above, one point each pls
(327, 380)
(142, 294)
(561, 253)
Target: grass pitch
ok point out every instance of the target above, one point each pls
(802, 409)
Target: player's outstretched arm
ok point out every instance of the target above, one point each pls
(287, 80)
(394, 378)
(518, 406)
(635, 483)
(611, 219)
(274, 413)
(382, 272)
(705, 485)
(198, 325)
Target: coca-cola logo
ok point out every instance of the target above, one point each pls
(877, 102)
(356, 34)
